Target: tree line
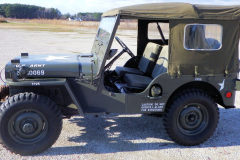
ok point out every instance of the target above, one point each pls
(85, 16)
(28, 11)
(23, 11)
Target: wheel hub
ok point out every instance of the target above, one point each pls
(28, 125)
(28, 128)
(192, 119)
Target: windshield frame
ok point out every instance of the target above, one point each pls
(101, 48)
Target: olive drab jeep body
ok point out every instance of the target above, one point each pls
(182, 75)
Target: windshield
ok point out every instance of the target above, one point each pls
(105, 28)
(102, 40)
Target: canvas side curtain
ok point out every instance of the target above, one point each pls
(214, 62)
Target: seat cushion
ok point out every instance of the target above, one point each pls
(162, 63)
(149, 58)
(147, 61)
(137, 81)
(121, 71)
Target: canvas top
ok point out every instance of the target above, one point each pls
(176, 11)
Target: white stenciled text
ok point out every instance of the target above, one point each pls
(36, 84)
(36, 72)
(152, 107)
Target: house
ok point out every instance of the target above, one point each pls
(74, 19)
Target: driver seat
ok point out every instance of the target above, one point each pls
(146, 64)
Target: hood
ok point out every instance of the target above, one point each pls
(47, 66)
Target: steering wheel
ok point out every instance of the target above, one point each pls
(125, 48)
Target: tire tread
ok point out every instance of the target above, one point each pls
(52, 108)
(179, 97)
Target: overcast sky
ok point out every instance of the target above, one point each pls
(75, 6)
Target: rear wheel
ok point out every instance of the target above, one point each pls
(191, 118)
(29, 123)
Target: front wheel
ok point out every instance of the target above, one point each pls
(29, 123)
(191, 118)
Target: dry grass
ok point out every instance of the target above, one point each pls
(83, 24)
(38, 25)
(65, 25)
(2, 19)
(128, 26)
(48, 23)
(154, 33)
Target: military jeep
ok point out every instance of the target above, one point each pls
(183, 75)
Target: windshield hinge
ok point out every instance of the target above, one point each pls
(226, 71)
(178, 72)
(196, 71)
(92, 62)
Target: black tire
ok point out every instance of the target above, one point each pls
(191, 117)
(29, 123)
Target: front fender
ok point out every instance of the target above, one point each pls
(45, 83)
